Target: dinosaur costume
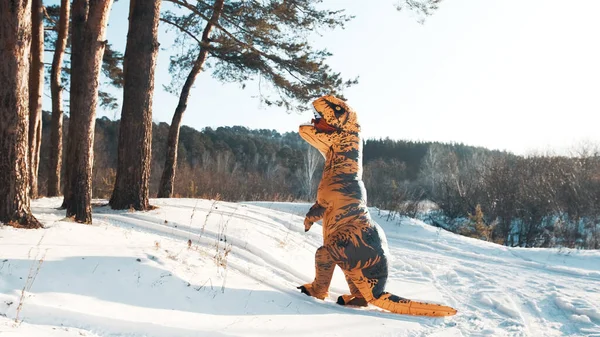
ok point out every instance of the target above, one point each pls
(351, 240)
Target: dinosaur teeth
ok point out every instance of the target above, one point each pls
(317, 116)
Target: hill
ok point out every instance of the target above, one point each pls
(213, 268)
(536, 201)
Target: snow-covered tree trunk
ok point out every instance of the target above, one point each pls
(56, 89)
(15, 42)
(90, 19)
(135, 132)
(36, 85)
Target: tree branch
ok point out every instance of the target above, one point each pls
(183, 30)
(194, 10)
(52, 51)
(273, 58)
(48, 15)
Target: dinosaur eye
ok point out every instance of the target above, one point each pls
(339, 111)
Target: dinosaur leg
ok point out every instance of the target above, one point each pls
(370, 281)
(355, 297)
(324, 266)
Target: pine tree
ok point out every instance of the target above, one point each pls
(423, 8)
(36, 81)
(56, 91)
(15, 42)
(480, 229)
(90, 19)
(58, 30)
(135, 133)
(247, 40)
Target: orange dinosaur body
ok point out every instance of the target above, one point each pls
(351, 240)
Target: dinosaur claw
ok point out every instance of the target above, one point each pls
(303, 290)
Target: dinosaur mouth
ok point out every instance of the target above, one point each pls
(316, 116)
(322, 126)
(319, 123)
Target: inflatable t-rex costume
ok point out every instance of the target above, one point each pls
(350, 238)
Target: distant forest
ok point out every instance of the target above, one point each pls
(535, 201)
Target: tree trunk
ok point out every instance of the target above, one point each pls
(15, 43)
(36, 80)
(135, 130)
(89, 26)
(56, 135)
(165, 189)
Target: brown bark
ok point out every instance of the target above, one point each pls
(89, 26)
(135, 131)
(165, 189)
(56, 135)
(36, 80)
(15, 43)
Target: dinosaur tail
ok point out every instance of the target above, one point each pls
(405, 306)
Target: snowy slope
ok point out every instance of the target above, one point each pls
(136, 274)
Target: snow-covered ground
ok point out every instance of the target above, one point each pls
(136, 274)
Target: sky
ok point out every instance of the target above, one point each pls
(522, 76)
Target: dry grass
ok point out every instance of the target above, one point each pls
(34, 270)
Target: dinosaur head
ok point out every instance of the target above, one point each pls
(334, 120)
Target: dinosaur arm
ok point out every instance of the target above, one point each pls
(314, 214)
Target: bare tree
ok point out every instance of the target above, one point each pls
(89, 26)
(502, 194)
(135, 133)
(36, 81)
(56, 90)
(15, 41)
(441, 176)
(430, 168)
(312, 159)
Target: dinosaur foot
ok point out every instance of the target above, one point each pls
(308, 290)
(352, 300)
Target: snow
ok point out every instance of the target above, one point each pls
(136, 274)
